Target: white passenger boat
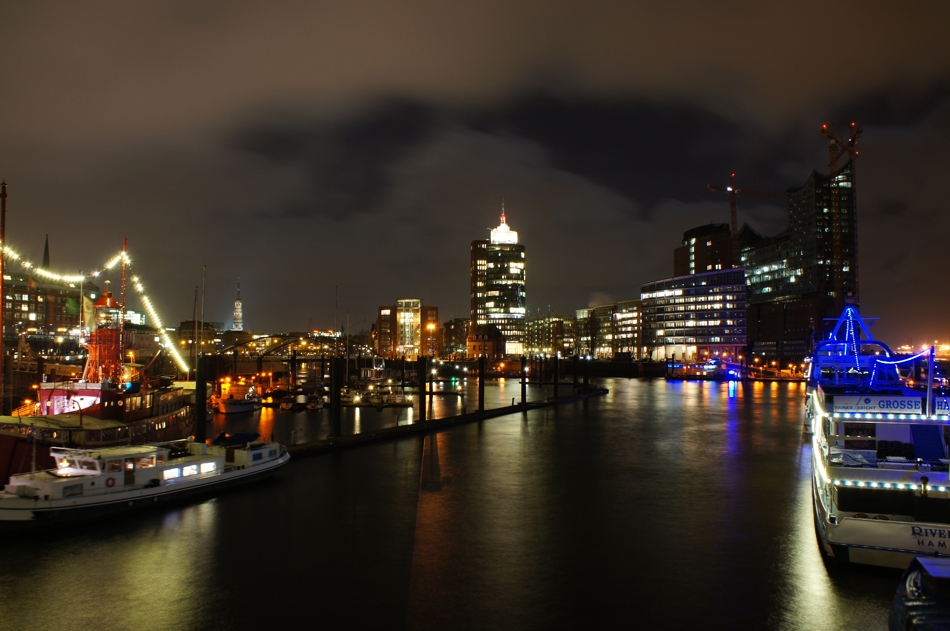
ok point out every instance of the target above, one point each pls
(87, 483)
(881, 493)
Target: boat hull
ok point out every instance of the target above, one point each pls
(871, 542)
(30, 514)
(237, 406)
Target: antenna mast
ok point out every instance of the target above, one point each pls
(125, 258)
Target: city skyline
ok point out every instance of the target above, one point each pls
(257, 143)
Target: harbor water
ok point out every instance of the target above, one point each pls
(661, 505)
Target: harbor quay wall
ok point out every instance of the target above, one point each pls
(335, 443)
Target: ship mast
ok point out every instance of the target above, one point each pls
(125, 248)
(3, 271)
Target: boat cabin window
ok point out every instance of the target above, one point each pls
(114, 466)
(145, 462)
(865, 433)
(76, 466)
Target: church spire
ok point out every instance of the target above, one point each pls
(238, 323)
(45, 264)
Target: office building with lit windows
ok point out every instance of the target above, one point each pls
(547, 335)
(408, 329)
(455, 337)
(610, 331)
(705, 249)
(36, 304)
(498, 285)
(694, 317)
(801, 279)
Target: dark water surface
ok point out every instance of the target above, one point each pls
(658, 506)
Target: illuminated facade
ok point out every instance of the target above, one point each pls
(793, 290)
(626, 323)
(455, 336)
(694, 317)
(594, 331)
(408, 328)
(605, 331)
(498, 285)
(485, 340)
(549, 335)
(705, 249)
(38, 305)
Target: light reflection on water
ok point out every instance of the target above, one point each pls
(662, 505)
(301, 426)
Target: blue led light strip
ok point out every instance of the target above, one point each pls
(903, 361)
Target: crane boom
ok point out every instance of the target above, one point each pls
(734, 192)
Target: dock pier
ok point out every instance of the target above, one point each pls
(335, 443)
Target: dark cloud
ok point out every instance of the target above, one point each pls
(343, 162)
(896, 105)
(310, 147)
(644, 150)
(892, 208)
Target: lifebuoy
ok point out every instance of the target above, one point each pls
(110, 482)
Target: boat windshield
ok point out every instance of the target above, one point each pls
(68, 467)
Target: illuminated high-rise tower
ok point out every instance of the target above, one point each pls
(238, 324)
(498, 284)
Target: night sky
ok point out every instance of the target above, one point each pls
(302, 145)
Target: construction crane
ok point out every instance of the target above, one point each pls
(838, 147)
(734, 192)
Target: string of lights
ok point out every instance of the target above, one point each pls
(905, 360)
(898, 361)
(136, 282)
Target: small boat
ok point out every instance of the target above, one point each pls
(384, 399)
(314, 402)
(349, 396)
(87, 483)
(235, 406)
(287, 403)
(713, 370)
(922, 600)
(398, 399)
(239, 398)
